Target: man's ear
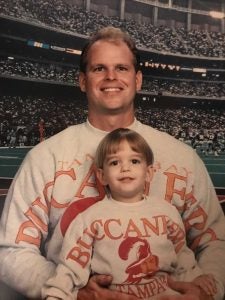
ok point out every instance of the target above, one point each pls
(82, 81)
(138, 80)
(149, 173)
(100, 176)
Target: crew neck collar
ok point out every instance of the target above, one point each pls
(132, 126)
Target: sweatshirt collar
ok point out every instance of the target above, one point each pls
(132, 126)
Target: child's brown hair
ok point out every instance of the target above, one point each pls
(112, 140)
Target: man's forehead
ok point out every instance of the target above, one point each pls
(99, 46)
(110, 61)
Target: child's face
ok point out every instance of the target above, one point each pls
(125, 172)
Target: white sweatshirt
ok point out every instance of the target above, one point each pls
(137, 243)
(60, 171)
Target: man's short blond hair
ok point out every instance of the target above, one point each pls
(114, 35)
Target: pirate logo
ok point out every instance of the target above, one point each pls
(144, 264)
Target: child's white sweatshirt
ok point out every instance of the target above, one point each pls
(139, 244)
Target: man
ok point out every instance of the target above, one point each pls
(60, 171)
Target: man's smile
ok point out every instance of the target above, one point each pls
(111, 89)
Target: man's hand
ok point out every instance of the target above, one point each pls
(207, 283)
(96, 289)
(187, 290)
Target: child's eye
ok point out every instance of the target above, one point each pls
(135, 161)
(113, 163)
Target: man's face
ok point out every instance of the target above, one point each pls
(110, 81)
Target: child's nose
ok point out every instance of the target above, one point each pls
(125, 167)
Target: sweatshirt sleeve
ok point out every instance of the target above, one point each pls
(73, 262)
(188, 268)
(186, 265)
(24, 229)
(205, 225)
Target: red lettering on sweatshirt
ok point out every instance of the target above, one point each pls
(74, 162)
(90, 180)
(114, 224)
(208, 235)
(81, 257)
(22, 236)
(189, 200)
(31, 215)
(85, 244)
(155, 286)
(55, 202)
(37, 202)
(116, 229)
(158, 228)
(176, 235)
(94, 232)
(132, 228)
(172, 179)
(197, 219)
(35, 223)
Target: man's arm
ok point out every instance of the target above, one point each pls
(187, 290)
(205, 225)
(23, 229)
(25, 271)
(96, 289)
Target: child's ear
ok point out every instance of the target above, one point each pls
(100, 176)
(149, 173)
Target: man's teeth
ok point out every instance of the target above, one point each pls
(111, 89)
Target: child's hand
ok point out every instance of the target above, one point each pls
(207, 283)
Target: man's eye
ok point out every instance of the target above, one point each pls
(135, 161)
(122, 68)
(98, 69)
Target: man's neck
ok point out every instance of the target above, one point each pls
(109, 123)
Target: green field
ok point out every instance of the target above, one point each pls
(11, 158)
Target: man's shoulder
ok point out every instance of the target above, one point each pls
(157, 137)
(60, 139)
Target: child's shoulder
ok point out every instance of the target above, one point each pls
(162, 205)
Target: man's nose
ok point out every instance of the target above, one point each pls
(111, 74)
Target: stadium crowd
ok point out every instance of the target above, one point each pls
(203, 129)
(23, 118)
(39, 70)
(186, 87)
(69, 74)
(59, 14)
